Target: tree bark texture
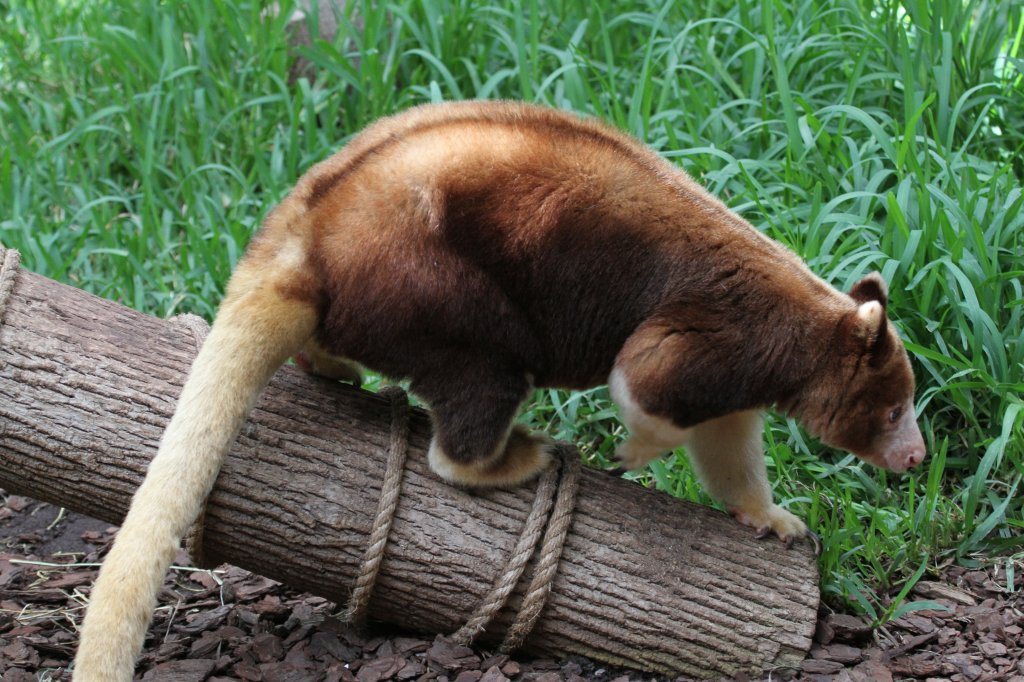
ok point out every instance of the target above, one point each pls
(645, 581)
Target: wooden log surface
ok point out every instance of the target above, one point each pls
(645, 581)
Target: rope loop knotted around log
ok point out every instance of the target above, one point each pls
(549, 494)
(9, 260)
(547, 523)
(398, 448)
(550, 551)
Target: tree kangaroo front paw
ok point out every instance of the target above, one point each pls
(773, 519)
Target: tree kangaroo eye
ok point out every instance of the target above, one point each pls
(895, 415)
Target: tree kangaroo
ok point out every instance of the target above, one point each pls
(482, 249)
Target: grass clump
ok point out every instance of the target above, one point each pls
(141, 144)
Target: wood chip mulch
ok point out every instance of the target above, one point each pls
(233, 625)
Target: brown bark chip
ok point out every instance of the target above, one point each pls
(469, 676)
(189, 670)
(818, 667)
(842, 653)
(282, 671)
(914, 623)
(494, 674)
(871, 671)
(847, 628)
(325, 646)
(920, 665)
(993, 649)
(18, 675)
(446, 655)
(201, 621)
(412, 668)
(935, 590)
(8, 572)
(267, 648)
(510, 668)
(380, 669)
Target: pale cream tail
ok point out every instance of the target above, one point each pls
(256, 330)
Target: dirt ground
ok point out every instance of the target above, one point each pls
(234, 625)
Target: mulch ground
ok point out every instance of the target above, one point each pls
(234, 625)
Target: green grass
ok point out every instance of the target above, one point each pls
(141, 144)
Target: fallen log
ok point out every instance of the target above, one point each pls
(645, 581)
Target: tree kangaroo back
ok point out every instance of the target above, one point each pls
(481, 249)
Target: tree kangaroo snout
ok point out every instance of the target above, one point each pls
(482, 249)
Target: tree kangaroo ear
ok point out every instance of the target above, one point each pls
(870, 321)
(867, 324)
(871, 288)
(864, 329)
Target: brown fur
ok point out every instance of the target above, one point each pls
(481, 249)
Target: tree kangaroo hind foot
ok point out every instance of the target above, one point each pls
(476, 443)
(521, 457)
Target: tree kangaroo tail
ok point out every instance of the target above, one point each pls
(257, 328)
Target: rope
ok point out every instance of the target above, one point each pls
(521, 553)
(9, 261)
(549, 494)
(398, 448)
(550, 552)
(198, 328)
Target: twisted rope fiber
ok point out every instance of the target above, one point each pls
(550, 552)
(521, 553)
(9, 261)
(398, 449)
